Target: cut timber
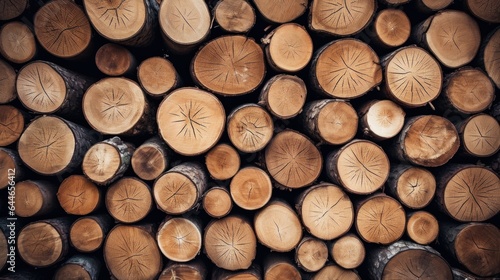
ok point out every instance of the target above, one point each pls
(230, 243)
(44, 87)
(452, 36)
(12, 9)
(326, 211)
(51, 145)
(179, 189)
(475, 245)
(431, 6)
(293, 160)
(490, 56)
(236, 16)
(131, 252)
(77, 195)
(83, 267)
(12, 166)
(117, 106)
(281, 11)
(361, 166)
(191, 121)
(480, 135)
(407, 260)
(217, 202)
(341, 18)
(289, 48)
(413, 77)
(278, 227)
(12, 121)
(35, 198)
(194, 270)
(284, 96)
(252, 273)
(381, 119)
(114, 60)
(179, 239)
(229, 65)
(469, 193)
(427, 140)
(157, 76)
(391, 28)
(487, 10)
(380, 219)
(279, 267)
(346, 68)
(63, 29)
(332, 271)
(422, 227)
(150, 159)
(44, 242)
(413, 186)
(17, 42)
(222, 161)
(184, 23)
(251, 188)
(8, 78)
(250, 128)
(128, 22)
(87, 233)
(348, 251)
(311, 254)
(107, 160)
(129, 200)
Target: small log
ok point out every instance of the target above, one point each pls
(12, 123)
(361, 166)
(107, 160)
(222, 162)
(422, 227)
(158, 76)
(77, 195)
(348, 251)
(63, 29)
(431, 6)
(179, 189)
(131, 252)
(252, 273)
(193, 270)
(454, 45)
(117, 106)
(311, 254)
(413, 186)
(114, 60)
(280, 267)
(355, 59)
(180, 239)
(381, 119)
(330, 121)
(326, 211)
(293, 160)
(380, 219)
(191, 121)
(250, 128)
(150, 159)
(35, 198)
(391, 27)
(486, 10)
(479, 135)
(217, 202)
(12, 166)
(251, 188)
(11, 10)
(332, 271)
(285, 231)
(230, 243)
(13, 35)
(87, 233)
(83, 267)
(51, 145)
(489, 56)
(235, 16)
(129, 200)
(281, 12)
(8, 79)
(283, 96)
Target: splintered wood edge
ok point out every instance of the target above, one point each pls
(168, 195)
(392, 27)
(77, 195)
(129, 200)
(470, 90)
(413, 262)
(157, 75)
(250, 128)
(179, 239)
(7, 82)
(235, 15)
(86, 235)
(17, 42)
(337, 122)
(481, 135)
(29, 199)
(40, 244)
(385, 118)
(251, 188)
(348, 251)
(11, 124)
(291, 47)
(184, 22)
(223, 162)
(416, 187)
(101, 162)
(422, 227)
(281, 11)
(286, 96)
(487, 10)
(217, 202)
(492, 57)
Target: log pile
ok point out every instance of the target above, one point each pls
(249, 139)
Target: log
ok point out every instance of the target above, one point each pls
(191, 121)
(413, 186)
(77, 195)
(51, 145)
(252, 273)
(381, 119)
(454, 45)
(150, 159)
(281, 12)
(129, 22)
(326, 211)
(131, 252)
(489, 56)
(107, 160)
(87, 233)
(158, 76)
(230, 243)
(485, 10)
(8, 78)
(395, 2)
(407, 260)
(251, 188)
(391, 27)
(332, 271)
(35, 198)
(114, 60)
(311, 254)
(12, 166)
(13, 35)
(117, 106)
(79, 267)
(479, 135)
(473, 245)
(179, 190)
(63, 29)
(250, 128)
(283, 96)
(12, 9)
(422, 227)
(234, 16)
(12, 123)
(345, 68)
(222, 162)
(194, 270)
(217, 202)
(361, 166)
(431, 6)
(180, 239)
(279, 267)
(330, 121)
(129, 200)
(348, 251)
